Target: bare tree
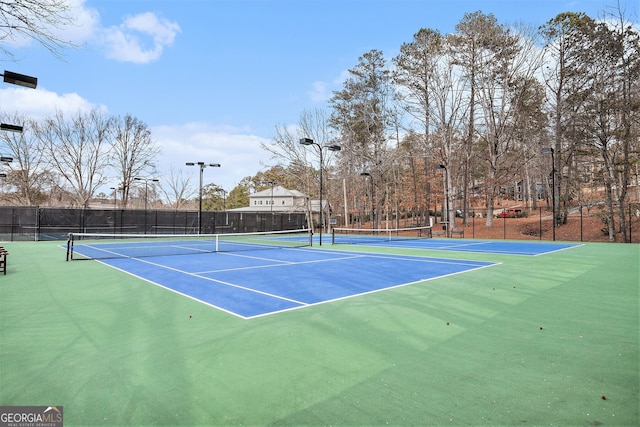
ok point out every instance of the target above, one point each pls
(627, 38)
(450, 106)
(77, 150)
(39, 20)
(510, 62)
(133, 151)
(565, 78)
(28, 173)
(414, 73)
(177, 189)
(286, 148)
(467, 44)
(607, 113)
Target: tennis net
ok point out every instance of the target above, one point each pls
(106, 246)
(378, 235)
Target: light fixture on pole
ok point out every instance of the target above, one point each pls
(549, 150)
(20, 79)
(333, 147)
(202, 166)
(115, 197)
(146, 192)
(6, 160)
(10, 128)
(445, 203)
(373, 214)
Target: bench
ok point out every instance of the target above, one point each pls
(439, 233)
(3, 260)
(458, 231)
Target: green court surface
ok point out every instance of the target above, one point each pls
(546, 340)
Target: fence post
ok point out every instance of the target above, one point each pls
(581, 223)
(504, 228)
(630, 224)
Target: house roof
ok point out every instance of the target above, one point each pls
(278, 191)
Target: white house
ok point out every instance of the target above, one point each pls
(276, 199)
(281, 200)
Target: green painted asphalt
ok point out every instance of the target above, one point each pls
(552, 340)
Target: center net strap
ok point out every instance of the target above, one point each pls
(105, 246)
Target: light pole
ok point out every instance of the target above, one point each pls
(373, 214)
(202, 165)
(224, 197)
(272, 184)
(20, 80)
(6, 160)
(115, 207)
(445, 204)
(9, 128)
(547, 150)
(146, 193)
(333, 147)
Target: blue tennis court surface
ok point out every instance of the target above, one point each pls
(260, 282)
(503, 247)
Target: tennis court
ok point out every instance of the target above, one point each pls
(262, 274)
(503, 247)
(548, 339)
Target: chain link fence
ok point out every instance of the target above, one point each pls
(581, 224)
(38, 223)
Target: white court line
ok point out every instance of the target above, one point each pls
(222, 282)
(301, 304)
(370, 292)
(278, 263)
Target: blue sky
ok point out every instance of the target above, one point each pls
(213, 78)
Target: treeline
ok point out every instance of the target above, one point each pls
(487, 113)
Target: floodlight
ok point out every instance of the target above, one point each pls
(10, 128)
(20, 79)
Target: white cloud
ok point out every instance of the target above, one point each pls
(237, 151)
(322, 91)
(38, 104)
(140, 38)
(319, 92)
(86, 23)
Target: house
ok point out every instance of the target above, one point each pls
(281, 200)
(276, 199)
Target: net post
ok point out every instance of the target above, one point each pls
(333, 236)
(70, 246)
